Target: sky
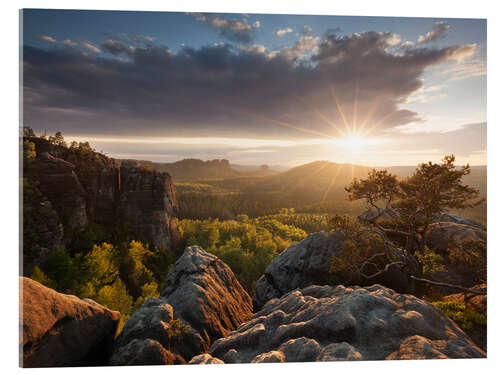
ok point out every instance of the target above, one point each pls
(258, 88)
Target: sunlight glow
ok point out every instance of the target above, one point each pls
(355, 142)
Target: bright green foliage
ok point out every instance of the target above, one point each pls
(457, 312)
(116, 297)
(431, 262)
(246, 245)
(102, 263)
(42, 278)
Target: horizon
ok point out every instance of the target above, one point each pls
(259, 88)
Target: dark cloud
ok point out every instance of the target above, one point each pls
(438, 31)
(236, 30)
(115, 47)
(224, 90)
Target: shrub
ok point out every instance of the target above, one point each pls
(457, 312)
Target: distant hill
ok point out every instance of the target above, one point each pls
(197, 170)
(322, 180)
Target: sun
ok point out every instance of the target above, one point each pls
(353, 142)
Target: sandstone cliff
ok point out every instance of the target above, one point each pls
(82, 186)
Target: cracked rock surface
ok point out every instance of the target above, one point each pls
(203, 293)
(324, 323)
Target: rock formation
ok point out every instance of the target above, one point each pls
(440, 234)
(62, 330)
(203, 294)
(324, 323)
(81, 186)
(58, 182)
(147, 200)
(308, 263)
(392, 213)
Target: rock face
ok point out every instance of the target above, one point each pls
(440, 234)
(308, 263)
(391, 213)
(80, 186)
(147, 200)
(58, 182)
(203, 294)
(62, 330)
(324, 323)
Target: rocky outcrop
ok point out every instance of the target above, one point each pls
(308, 263)
(58, 182)
(205, 359)
(324, 323)
(201, 302)
(440, 234)
(144, 353)
(147, 200)
(392, 213)
(81, 186)
(63, 330)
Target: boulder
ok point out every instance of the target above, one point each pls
(452, 218)
(324, 323)
(392, 213)
(205, 359)
(308, 263)
(144, 352)
(203, 294)
(59, 330)
(440, 234)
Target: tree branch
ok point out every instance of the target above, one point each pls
(452, 286)
(386, 268)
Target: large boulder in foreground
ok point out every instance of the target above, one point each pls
(202, 295)
(324, 323)
(307, 263)
(62, 330)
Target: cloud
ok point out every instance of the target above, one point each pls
(284, 31)
(255, 48)
(218, 90)
(90, 47)
(438, 31)
(306, 31)
(300, 49)
(236, 30)
(115, 47)
(47, 38)
(408, 44)
(69, 43)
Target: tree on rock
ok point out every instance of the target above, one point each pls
(418, 199)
